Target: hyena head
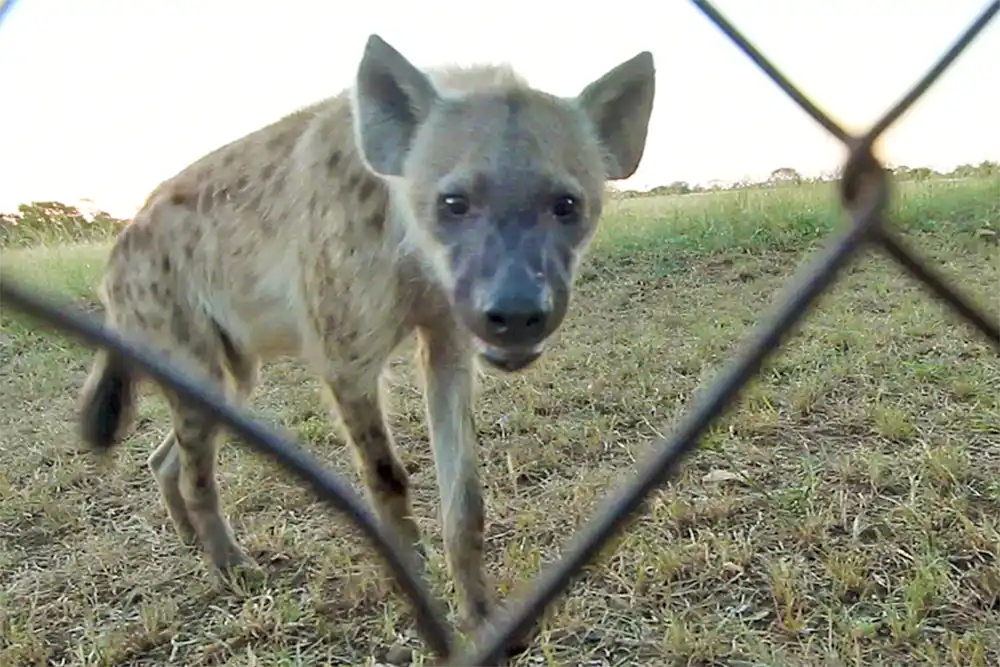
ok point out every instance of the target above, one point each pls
(504, 183)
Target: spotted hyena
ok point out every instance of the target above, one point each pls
(454, 203)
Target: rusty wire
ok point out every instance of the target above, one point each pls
(864, 190)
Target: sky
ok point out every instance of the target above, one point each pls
(103, 99)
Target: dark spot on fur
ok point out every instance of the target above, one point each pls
(200, 349)
(277, 142)
(334, 160)
(241, 183)
(376, 222)
(481, 607)
(128, 241)
(366, 190)
(234, 357)
(202, 482)
(267, 172)
(374, 434)
(178, 198)
(312, 204)
(204, 202)
(142, 235)
(166, 265)
(353, 181)
(475, 504)
(178, 325)
(391, 478)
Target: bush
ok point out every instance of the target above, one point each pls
(48, 223)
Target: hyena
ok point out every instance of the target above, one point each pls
(453, 203)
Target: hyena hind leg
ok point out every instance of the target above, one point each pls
(164, 462)
(184, 464)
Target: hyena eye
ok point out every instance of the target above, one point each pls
(455, 206)
(566, 208)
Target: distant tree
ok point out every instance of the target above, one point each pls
(986, 168)
(901, 172)
(904, 173)
(54, 222)
(675, 188)
(785, 175)
(962, 171)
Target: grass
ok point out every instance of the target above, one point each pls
(846, 512)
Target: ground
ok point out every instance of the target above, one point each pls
(846, 512)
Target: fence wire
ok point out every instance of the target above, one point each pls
(864, 191)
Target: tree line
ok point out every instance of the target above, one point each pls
(47, 222)
(790, 176)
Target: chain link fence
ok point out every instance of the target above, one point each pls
(864, 191)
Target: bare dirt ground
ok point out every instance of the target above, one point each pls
(846, 513)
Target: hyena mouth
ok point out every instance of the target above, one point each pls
(508, 359)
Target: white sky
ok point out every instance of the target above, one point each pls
(103, 99)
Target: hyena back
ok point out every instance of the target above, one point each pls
(454, 203)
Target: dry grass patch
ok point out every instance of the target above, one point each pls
(859, 523)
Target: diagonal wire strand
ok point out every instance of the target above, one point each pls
(769, 68)
(904, 104)
(893, 246)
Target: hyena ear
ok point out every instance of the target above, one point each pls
(391, 98)
(619, 104)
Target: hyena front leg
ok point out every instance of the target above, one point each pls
(386, 482)
(449, 377)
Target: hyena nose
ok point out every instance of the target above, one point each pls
(516, 321)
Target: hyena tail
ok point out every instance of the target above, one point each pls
(107, 401)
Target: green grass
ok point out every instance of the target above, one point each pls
(71, 270)
(846, 512)
(785, 218)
